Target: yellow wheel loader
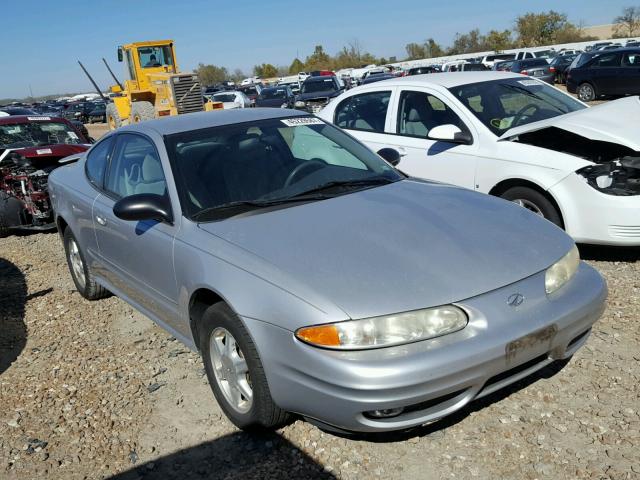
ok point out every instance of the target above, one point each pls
(154, 87)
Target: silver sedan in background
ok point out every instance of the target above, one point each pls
(313, 277)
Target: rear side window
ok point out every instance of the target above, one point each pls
(367, 111)
(97, 161)
(607, 60)
(631, 59)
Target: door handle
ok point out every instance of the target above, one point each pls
(101, 220)
(402, 151)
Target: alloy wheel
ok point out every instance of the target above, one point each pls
(77, 266)
(529, 205)
(231, 370)
(585, 93)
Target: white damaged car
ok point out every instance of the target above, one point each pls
(510, 136)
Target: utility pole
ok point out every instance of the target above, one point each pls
(30, 91)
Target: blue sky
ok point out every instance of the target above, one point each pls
(43, 39)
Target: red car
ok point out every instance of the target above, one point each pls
(30, 148)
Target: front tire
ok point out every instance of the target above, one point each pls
(80, 272)
(534, 201)
(235, 371)
(113, 116)
(141, 112)
(586, 92)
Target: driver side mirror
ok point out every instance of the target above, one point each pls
(119, 54)
(450, 133)
(144, 206)
(391, 155)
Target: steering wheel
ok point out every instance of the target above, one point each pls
(520, 115)
(317, 163)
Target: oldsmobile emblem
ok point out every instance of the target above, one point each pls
(515, 299)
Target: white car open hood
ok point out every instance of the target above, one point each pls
(617, 121)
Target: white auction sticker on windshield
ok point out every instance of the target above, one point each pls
(72, 135)
(529, 83)
(39, 118)
(295, 122)
(44, 151)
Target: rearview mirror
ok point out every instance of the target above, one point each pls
(119, 54)
(144, 206)
(450, 133)
(390, 155)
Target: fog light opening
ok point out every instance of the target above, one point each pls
(384, 413)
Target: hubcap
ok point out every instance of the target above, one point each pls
(231, 370)
(77, 266)
(585, 92)
(528, 205)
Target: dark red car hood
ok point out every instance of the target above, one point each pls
(51, 152)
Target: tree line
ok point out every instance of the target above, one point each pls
(530, 30)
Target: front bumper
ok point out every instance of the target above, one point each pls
(433, 378)
(594, 217)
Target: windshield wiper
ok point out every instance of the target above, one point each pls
(241, 206)
(363, 182)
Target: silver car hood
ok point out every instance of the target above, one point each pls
(615, 122)
(399, 247)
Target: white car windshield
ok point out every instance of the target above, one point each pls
(508, 103)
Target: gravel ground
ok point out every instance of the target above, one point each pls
(96, 390)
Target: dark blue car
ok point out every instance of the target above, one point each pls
(609, 72)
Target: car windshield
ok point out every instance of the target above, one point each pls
(250, 90)
(508, 103)
(225, 171)
(273, 93)
(37, 134)
(315, 86)
(224, 97)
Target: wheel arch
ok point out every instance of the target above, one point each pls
(200, 300)
(505, 185)
(62, 225)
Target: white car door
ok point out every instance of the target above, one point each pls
(418, 110)
(367, 116)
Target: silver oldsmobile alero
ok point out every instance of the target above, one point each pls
(315, 278)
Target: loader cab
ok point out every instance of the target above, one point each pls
(145, 58)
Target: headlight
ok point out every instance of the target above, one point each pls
(284, 105)
(386, 331)
(562, 271)
(300, 104)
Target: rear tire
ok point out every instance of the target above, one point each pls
(586, 92)
(80, 272)
(141, 112)
(113, 117)
(231, 371)
(534, 201)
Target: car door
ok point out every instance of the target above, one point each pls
(604, 73)
(417, 111)
(137, 257)
(366, 117)
(629, 79)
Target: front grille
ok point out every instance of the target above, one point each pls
(187, 94)
(315, 105)
(624, 231)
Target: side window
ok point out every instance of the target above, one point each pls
(607, 60)
(631, 59)
(135, 168)
(97, 160)
(367, 111)
(419, 112)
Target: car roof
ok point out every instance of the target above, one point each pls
(200, 120)
(449, 79)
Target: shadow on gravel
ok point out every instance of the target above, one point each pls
(607, 253)
(13, 296)
(237, 456)
(439, 427)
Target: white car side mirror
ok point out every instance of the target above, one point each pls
(449, 133)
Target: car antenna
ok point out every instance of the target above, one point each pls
(112, 74)
(92, 81)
